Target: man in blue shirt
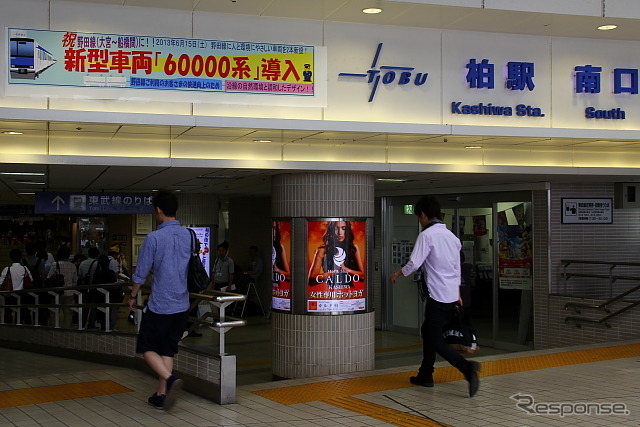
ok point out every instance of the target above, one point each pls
(166, 252)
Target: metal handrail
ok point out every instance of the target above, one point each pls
(604, 320)
(604, 305)
(217, 298)
(221, 300)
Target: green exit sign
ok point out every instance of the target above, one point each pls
(408, 209)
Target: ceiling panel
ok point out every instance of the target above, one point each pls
(16, 125)
(83, 127)
(317, 9)
(242, 7)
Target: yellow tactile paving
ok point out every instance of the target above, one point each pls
(352, 386)
(382, 413)
(54, 393)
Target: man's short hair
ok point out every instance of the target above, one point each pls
(255, 248)
(15, 255)
(64, 253)
(224, 245)
(31, 248)
(429, 205)
(93, 252)
(167, 202)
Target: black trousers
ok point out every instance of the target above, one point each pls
(436, 316)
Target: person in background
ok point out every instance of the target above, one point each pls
(104, 275)
(255, 267)
(42, 246)
(77, 259)
(166, 251)
(437, 252)
(17, 272)
(68, 270)
(35, 265)
(86, 270)
(223, 270)
(253, 273)
(44, 256)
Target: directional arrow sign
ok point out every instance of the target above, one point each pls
(57, 200)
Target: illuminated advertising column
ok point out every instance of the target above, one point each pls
(336, 262)
(323, 227)
(281, 265)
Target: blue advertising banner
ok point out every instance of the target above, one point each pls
(93, 203)
(68, 58)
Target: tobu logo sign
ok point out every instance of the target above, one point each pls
(388, 74)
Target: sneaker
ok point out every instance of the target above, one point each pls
(472, 377)
(174, 384)
(156, 401)
(423, 381)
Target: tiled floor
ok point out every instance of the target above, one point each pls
(517, 389)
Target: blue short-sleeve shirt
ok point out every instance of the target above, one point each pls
(166, 252)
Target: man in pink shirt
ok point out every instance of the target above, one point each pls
(437, 252)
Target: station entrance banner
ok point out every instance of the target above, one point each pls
(69, 58)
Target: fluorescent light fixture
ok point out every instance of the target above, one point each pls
(216, 177)
(264, 141)
(30, 183)
(371, 10)
(473, 147)
(391, 180)
(23, 173)
(607, 27)
(26, 194)
(12, 132)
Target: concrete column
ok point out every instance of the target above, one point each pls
(308, 344)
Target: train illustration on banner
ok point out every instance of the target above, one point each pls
(28, 59)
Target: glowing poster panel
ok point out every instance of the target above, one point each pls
(281, 265)
(336, 257)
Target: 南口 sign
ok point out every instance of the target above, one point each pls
(587, 211)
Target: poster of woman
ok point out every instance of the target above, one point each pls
(336, 264)
(280, 261)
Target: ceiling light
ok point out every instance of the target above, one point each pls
(26, 194)
(264, 141)
(30, 183)
(23, 173)
(371, 10)
(216, 177)
(473, 147)
(391, 180)
(12, 132)
(607, 27)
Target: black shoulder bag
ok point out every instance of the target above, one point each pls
(197, 277)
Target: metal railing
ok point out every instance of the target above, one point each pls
(220, 300)
(223, 323)
(604, 306)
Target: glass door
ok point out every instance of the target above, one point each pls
(405, 306)
(496, 265)
(513, 285)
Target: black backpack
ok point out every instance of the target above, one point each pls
(35, 273)
(86, 280)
